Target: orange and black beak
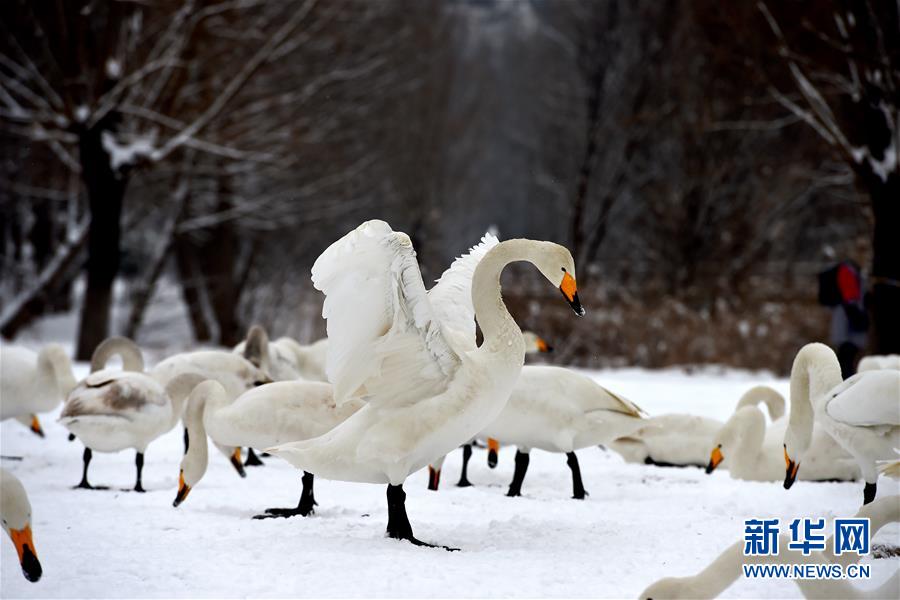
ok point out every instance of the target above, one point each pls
(434, 478)
(237, 463)
(183, 490)
(570, 292)
(715, 459)
(31, 567)
(791, 468)
(543, 346)
(36, 426)
(493, 449)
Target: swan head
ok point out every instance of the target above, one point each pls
(535, 343)
(15, 511)
(556, 264)
(715, 459)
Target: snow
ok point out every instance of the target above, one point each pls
(639, 524)
(127, 153)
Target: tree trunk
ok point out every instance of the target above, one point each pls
(885, 299)
(191, 288)
(105, 189)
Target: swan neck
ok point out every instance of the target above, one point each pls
(498, 327)
(812, 375)
(720, 574)
(749, 430)
(196, 459)
(61, 370)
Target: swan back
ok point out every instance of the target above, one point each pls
(876, 362)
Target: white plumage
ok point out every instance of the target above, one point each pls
(15, 513)
(427, 388)
(861, 414)
(33, 382)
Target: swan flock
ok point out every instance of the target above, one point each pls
(401, 381)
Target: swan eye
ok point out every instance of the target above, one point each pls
(258, 383)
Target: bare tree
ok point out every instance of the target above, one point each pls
(841, 76)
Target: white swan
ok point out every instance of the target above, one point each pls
(534, 344)
(275, 358)
(427, 388)
(15, 511)
(236, 372)
(727, 567)
(265, 416)
(32, 383)
(862, 414)
(755, 453)
(111, 409)
(558, 410)
(680, 440)
(876, 362)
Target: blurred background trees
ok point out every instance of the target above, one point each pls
(170, 170)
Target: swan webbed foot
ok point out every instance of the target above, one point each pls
(584, 494)
(286, 513)
(417, 542)
(139, 488)
(84, 485)
(464, 482)
(253, 459)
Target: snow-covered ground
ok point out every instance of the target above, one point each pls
(639, 524)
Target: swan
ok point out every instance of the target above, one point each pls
(727, 568)
(861, 414)
(411, 356)
(265, 416)
(33, 382)
(875, 362)
(558, 410)
(308, 362)
(274, 358)
(534, 344)
(15, 511)
(111, 410)
(236, 372)
(755, 453)
(681, 440)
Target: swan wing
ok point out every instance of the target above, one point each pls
(384, 340)
(451, 296)
(114, 392)
(867, 399)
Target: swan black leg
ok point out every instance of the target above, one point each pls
(398, 526)
(305, 507)
(139, 464)
(187, 440)
(869, 492)
(463, 477)
(253, 459)
(434, 478)
(522, 459)
(577, 486)
(86, 457)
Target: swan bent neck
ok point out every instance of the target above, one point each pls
(499, 328)
(815, 371)
(207, 395)
(58, 366)
(132, 359)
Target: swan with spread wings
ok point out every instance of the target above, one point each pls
(411, 355)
